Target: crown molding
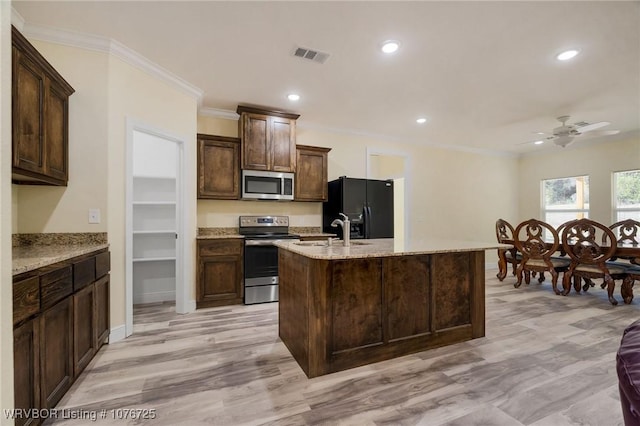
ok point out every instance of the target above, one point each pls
(17, 20)
(112, 47)
(218, 113)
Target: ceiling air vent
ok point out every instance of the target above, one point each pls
(312, 55)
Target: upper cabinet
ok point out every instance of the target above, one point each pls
(268, 139)
(40, 104)
(311, 175)
(218, 167)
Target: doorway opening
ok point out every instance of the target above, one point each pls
(392, 165)
(154, 221)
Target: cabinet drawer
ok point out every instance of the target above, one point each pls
(103, 264)
(55, 285)
(220, 247)
(84, 273)
(26, 299)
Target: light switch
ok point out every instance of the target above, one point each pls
(94, 215)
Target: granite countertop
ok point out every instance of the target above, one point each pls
(384, 247)
(315, 234)
(28, 258)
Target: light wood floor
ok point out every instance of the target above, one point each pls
(545, 360)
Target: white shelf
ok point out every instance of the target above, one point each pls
(154, 259)
(157, 231)
(154, 203)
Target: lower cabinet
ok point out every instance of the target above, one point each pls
(56, 350)
(84, 342)
(101, 312)
(220, 272)
(57, 330)
(26, 372)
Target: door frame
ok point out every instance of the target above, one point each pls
(184, 303)
(371, 151)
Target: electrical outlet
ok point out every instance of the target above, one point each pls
(94, 215)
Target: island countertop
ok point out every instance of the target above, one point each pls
(384, 247)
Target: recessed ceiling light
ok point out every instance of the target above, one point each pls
(538, 142)
(421, 120)
(566, 55)
(390, 46)
(293, 97)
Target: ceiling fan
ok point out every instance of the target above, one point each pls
(565, 134)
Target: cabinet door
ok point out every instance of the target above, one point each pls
(56, 350)
(83, 328)
(218, 168)
(220, 280)
(56, 133)
(311, 174)
(26, 369)
(282, 144)
(28, 111)
(101, 311)
(254, 129)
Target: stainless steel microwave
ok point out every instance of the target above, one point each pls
(259, 185)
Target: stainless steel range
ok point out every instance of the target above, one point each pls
(261, 256)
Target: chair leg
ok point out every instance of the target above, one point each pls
(626, 291)
(518, 277)
(527, 277)
(502, 265)
(577, 282)
(554, 281)
(566, 282)
(541, 277)
(611, 285)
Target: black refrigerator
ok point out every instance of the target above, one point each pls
(367, 202)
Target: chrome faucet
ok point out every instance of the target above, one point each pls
(346, 228)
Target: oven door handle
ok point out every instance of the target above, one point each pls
(261, 242)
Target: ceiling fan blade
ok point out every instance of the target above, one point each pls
(600, 133)
(594, 126)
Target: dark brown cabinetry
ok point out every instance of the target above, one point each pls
(342, 313)
(219, 272)
(311, 173)
(61, 319)
(26, 377)
(268, 139)
(56, 352)
(40, 105)
(218, 167)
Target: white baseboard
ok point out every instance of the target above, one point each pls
(117, 333)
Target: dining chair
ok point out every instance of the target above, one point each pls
(504, 235)
(626, 231)
(590, 245)
(537, 251)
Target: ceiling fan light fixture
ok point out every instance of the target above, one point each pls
(421, 120)
(293, 97)
(563, 140)
(538, 142)
(567, 54)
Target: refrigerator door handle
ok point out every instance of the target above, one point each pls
(367, 222)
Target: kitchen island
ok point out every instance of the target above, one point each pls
(342, 307)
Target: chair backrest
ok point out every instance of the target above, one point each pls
(580, 240)
(529, 239)
(504, 230)
(626, 231)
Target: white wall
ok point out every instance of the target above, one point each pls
(6, 298)
(597, 161)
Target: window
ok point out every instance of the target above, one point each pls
(626, 195)
(565, 199)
